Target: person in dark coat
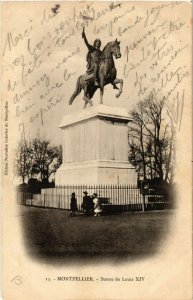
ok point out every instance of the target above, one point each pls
(86, 203)
(91, 204)
(73, 205)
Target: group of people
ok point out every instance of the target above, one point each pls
(90, 205)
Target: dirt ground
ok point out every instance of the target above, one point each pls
(52, 236)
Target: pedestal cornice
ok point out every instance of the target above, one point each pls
(98, 164)
(108, 112)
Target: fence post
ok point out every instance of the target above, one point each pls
(58, 201)
(143, 202)
(44, 200)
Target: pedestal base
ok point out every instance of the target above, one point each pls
(96, 172)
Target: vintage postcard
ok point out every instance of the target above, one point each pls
(96, 123)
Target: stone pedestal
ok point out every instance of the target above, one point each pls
(95, 148)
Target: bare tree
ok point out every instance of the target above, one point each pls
(137, 137)
(24, 160)
(47, 158)
(37, 157)
(151, 140)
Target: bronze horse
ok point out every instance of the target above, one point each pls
(106, 74)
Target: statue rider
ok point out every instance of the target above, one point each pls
(93, 55)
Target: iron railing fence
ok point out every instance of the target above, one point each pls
(113, 197)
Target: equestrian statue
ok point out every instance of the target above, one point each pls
(100, 71)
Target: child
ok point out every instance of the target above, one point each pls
(97, 206)
(73, 205)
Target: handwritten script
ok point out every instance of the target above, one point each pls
(44, 54)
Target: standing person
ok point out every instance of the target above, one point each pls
(91, 204)
(85, 203)
(97, 205)
(73, 205)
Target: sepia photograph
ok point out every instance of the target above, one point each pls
(97, 150)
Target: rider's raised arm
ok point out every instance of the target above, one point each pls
(90, 47)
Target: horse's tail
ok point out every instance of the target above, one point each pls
(77, 90)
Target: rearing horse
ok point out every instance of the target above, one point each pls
(106, 74)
